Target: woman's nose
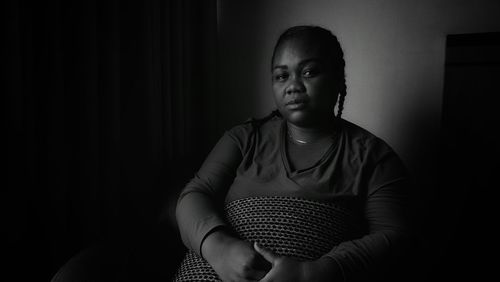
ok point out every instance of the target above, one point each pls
(296, 86)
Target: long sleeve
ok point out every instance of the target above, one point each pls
(199, 205)
(389, 228)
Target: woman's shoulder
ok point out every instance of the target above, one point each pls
(355, 131)
(264, 126)
(362, 139)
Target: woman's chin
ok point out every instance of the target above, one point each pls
(299, 118)
(307, 119)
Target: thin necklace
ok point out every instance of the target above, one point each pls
(302, 142)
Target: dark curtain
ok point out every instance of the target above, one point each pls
(108, 110)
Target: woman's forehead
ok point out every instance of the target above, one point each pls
(298, 49)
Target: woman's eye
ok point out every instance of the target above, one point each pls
(309, 73)
(281, 77)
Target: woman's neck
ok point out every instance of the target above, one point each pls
(304, 135)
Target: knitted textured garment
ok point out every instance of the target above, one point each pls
(293, 227)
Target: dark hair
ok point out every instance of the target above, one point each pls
(328, 44)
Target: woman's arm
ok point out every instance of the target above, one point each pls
(388, 238)
(200, 220)
(388, 213)
(199, 207)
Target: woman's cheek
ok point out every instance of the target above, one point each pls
(278, 96)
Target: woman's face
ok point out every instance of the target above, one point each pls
(304, 87)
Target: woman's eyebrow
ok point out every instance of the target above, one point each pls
(306, 61)
(280, 67)
(301, 63)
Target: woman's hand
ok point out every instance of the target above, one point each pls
(233, 259)
(290, 270)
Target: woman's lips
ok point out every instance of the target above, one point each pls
(296, 104)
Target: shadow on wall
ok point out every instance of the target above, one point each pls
(464, 209)
(239, 45)
(454, 164)
(422, 144)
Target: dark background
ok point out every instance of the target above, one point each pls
(465, 204)
(106, 108)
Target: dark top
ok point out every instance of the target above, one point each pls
(357, 171)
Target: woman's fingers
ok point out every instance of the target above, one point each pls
(267, 254)
(256, 275)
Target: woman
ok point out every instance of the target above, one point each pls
(300, 195)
